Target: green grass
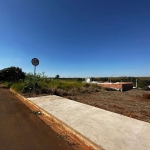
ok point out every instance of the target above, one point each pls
(62, 84)
(18, 87)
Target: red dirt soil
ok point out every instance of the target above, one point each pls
(133, 103)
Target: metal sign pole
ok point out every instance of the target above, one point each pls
(34, 79)
(35, 62)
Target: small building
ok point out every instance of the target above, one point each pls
(120, 86)
(88, 80)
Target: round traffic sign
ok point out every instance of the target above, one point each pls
(35, 61)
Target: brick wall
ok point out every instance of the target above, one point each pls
(124, 86)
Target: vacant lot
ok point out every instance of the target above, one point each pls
(134, 103)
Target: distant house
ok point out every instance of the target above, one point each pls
(120, 86)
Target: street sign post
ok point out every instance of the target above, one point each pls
(35, 63)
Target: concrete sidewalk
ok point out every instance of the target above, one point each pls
(108, 130)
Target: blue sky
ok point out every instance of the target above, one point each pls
(76, 38)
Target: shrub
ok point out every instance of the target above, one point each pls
(146, 88)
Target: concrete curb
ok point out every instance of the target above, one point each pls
(57, 125)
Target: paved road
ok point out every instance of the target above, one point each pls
(20, 130)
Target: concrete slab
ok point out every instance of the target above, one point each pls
(106, 129)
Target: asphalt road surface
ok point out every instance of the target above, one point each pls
(21, 130)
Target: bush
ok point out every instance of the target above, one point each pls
(86, 85)
(146, 88)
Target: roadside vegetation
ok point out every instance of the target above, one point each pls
(62, 87)
(133, 103)
(23, 83)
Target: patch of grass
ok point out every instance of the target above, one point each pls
(69, 85)
(7, 84)
(64, 84)
(18, 87)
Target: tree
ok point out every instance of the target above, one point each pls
(104, 79)
(11, 74)
(57, 76)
